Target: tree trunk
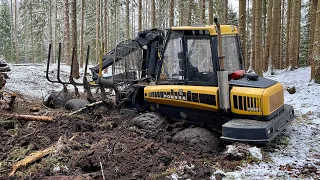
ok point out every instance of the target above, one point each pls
(253, 40)
(225, 12)
(280, 65)
(82, 34)
(97, 31)
(106, 26)
(276, 59)
(266, 51)
(153, 14)
(31, 31)
(50, 22)
(258, 37)
(274, 46)
(190, 5)
(242, 30)
(311, 27)
(15, 30)
(66, 33)
(171, 13)
(288, 27)
(128, 19)
(11, 23)
(75, 70)
(294, 34)
(203, 12)
(54, 52)
(296, 62)
(210, 12)
(140, 15)
(316, 49)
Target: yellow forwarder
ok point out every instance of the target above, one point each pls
(193, 74)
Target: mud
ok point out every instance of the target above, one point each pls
(105, 137)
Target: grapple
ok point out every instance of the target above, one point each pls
(132, 62)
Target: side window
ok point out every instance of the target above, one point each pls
(231, 53)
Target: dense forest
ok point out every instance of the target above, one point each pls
(275, 34)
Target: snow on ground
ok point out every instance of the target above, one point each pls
(30, 79)
(298, 148)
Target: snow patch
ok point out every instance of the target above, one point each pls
(299, 144)
(255, 152)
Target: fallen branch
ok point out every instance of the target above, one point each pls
(31, 158)
(29, 117)
(102, 171)
(84, 108)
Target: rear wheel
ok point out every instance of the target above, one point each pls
(199, 138)
(57, 99)
(149, 120)
(75, 104)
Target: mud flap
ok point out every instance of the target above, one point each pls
(257, 132)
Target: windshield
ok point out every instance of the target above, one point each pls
(170, 67)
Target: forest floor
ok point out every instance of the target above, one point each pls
(104, 142)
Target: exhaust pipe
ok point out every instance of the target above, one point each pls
(223, 81)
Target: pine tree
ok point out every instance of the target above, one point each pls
(253, 40)
(203, 11)
(225, 12)
(293, 51)
(276, 33)
(258, 38)
(189, 12)
(75, 68)
(82, 34)
(140, 15)
(66, 33)
(106, 25)
(210, 12)
(153, 14)
(311, 27)
(128, 19)
(97, 31)
(288, 30)
(242, 31)
(315, 68)
(268, 36)
(171, 13)
(16, 30)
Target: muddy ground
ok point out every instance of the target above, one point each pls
(102, 139)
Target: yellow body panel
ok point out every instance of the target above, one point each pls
(247, 98)
(273, 98)
(256, 101)
(180, 100)
(225, 29)
(244, 100)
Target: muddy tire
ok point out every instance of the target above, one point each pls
(75, 104)
(197, 138)
(148, 121)
(57, 99)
